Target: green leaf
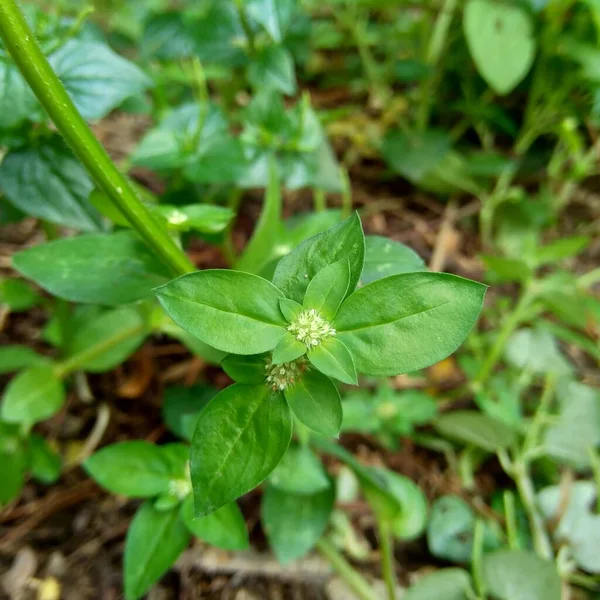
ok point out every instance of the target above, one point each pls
(560, 249)
(294, 523)
(344, 241)
(507, 269)
(328, 288)
(15, 357)
(407, 322)
(119, 331)
(44, 463)
(273, 67)
(299, 472)
(182, 407)
(167, 36)
(415, 156)
(230, 310)
(575, 522)
(33, 395)
(385, 257)
(240, 438)
(501, 42)
(288, 349)
(48, 182)
(104, 269)
(17, 102)
(17, 295)
(274, 15)
(225, 528)
(13, 463)
(473, 428)
(267, 230)
(518, 575)
(316, 402)
(96, 78)
(154, 541)
(536, 350)
(576, 428)
(290, 309)
(450, 530)
(245, 369)
(333, 359)
(205, 218)
(136, 469)
(456, 584)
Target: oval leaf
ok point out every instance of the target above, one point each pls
(229, 310)
(248, 369)
(456, 584)
(240, 438)
(289, 309)
(288, 349)
(300, 472)
(316, 402)
(385, 257)
(407, 322)
(328, 288)
(332, 358)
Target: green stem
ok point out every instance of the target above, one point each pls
(21, 43)
(387, 556)
(246, 26)
(320, 202)
(595, 463)
(355, 581)
(540, 418)
(79, 360)
(511, 520)
(477, 559)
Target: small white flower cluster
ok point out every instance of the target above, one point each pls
(311, 328)
(180, 488)
(280, 377)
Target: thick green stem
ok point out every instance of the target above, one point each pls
(355, 581)
(477, 559)
(387, 556)
(20, 42)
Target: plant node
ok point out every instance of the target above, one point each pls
(311, 328)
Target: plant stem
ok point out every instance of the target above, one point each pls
(319, 200)
(477, 558)
(387, 556)
(21, 43)
(79, 360)
(511, 520)
(534, 431)
(513, 321)
(357, 582)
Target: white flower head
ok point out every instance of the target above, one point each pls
(311, 328)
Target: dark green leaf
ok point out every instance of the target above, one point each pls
(315, 401)
(473, 428)
(518, 575)
(17, 102)
(154, 541)
(240, 438)
(294, 523)
(96, 78)
(342, 241)
(273, 67)
(137, 469)
(182, 407)
(456, 584)
(288, 349)
(407, 322)
(245, 369)
(225, 528)
(97, 269)
(167, 36)
(13, 463)
(48, 182)
(385, 257)
(33, 395)
(300, 472)
(333, 359)
(230, 310)
(44, 463)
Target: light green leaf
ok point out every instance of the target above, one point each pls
(456, 584)
(240, 438)
(328, 288)
(333, 359)
(33, 395)
(15, 357)
(120, 331)
(13, 462)
(48, 182)
(344, 241)
(205, 218)
(300, 472)
(44, 462)
(407, 322)
(104, 269)
(290, 309)
(507, 269)
(518, 575)
(273, 67)
(167, 36)
(245, 369)
(474, 428)
(288, 349)
(501, 42)
(274, 15)
(136, 469)
(561, 249)
(96, 78)
(182, 407)
(17, 295)
(385, 257)
(537, 351)
(154, 541)
(316, 402)
(294, 523)
(230, 310)
(17, 102)
(225, 528)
